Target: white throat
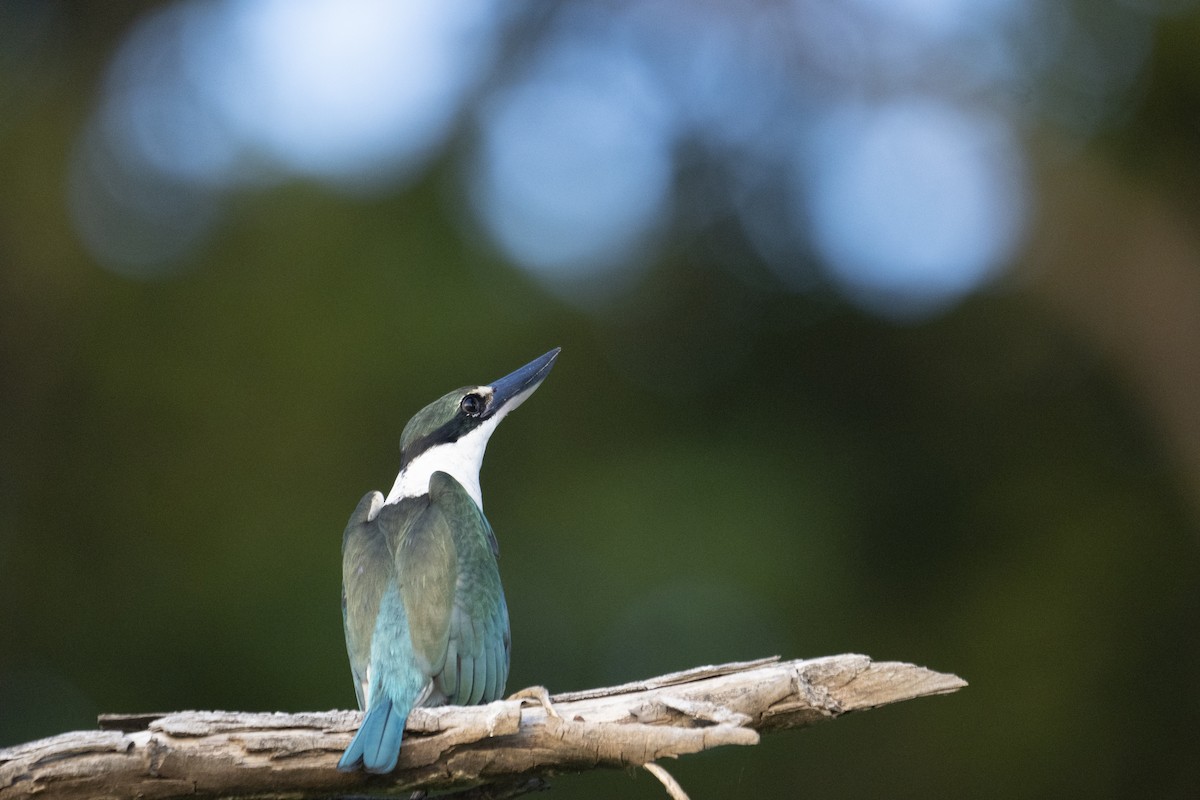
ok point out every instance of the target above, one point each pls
(461, 460)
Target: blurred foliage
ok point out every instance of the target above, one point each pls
(717, 469)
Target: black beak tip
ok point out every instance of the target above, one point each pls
(531, 374)
(537, 369)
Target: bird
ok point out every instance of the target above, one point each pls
(423, 609)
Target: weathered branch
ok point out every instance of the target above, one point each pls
(506, 745)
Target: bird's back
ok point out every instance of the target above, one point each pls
(425, 616)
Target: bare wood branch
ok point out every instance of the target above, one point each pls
(669, 783)
(508, 744)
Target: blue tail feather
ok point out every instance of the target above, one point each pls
(376, 746)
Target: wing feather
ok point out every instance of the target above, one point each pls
(366, 572)
(478, 626)
(427, 573)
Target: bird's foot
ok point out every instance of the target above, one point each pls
(536, 694)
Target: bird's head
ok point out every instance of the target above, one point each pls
(451, 433)
(471, 410)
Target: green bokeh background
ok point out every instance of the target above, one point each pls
(717, 468)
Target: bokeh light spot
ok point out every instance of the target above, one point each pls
(937, 19)
(136, 222)
(152, 117)
(575, 165)
(207, 96)
(344, 90)
(914, 203)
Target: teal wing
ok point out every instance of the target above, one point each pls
(367, 570)
(427, 573)
(474, 666)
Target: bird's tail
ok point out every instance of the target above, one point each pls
(376, 746)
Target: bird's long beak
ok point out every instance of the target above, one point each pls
(511, 390)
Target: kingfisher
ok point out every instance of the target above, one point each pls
(424, 612)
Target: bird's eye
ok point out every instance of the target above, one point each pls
(472, 405)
